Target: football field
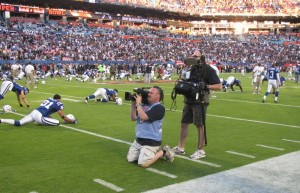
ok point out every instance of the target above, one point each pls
(91, 156)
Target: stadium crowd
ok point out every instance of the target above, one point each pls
(288, 7)
(23, 40)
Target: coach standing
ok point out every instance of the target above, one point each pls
(30, 73)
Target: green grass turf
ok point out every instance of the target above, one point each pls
(58, 159)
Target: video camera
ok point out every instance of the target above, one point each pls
(138, 91)
(194, 60)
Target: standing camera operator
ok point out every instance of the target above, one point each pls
(195, 106)
(146, 148)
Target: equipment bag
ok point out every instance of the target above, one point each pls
(183, 87)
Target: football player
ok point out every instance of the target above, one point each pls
(103, 95)
(230, 82)
(18, 89)
(86, 76)
(273, 82)
(41, 115)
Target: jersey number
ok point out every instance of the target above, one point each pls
(47, 104)
(271, 74)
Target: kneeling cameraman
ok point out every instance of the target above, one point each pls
(146, 148)
(195, 105)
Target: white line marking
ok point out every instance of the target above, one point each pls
(199, 161)
(241, 154)
(249, 120)
(97, 135)
(241, 101)
(108, 185)
(296, 141)
(73, 100)
(47, 93)
(270, 147)
(121, 141)
(161, 173)
(224, 117)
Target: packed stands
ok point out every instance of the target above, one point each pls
(27, 39)
(288, 7)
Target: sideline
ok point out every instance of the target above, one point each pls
(274, 175)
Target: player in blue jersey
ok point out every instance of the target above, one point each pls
(18, 89)
(41, 115)
(103, 95)
(230, 82)
(273, 82)
(86, 76)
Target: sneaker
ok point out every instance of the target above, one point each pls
(200, 153)
(169, 155)
(178, 150)
(86, 100)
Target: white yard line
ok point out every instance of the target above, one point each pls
(198, 161)
(161, 172)
(240, 154)
(95, 134)
(254, 121)
(250, 120)
(289, 140)
(73, 100)
(270, 147)
(252, 102)
(108, 185)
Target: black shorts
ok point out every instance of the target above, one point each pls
(193, 113)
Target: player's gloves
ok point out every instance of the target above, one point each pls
(21, 105)
(75, 121)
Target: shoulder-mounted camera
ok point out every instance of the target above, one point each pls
(138, 91)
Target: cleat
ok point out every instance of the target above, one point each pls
(178, 150)
(275, 101)
(200, 153)
(169, 155)
(263, 101)
(86, 100)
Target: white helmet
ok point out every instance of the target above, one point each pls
(7, 108)
(119, 101)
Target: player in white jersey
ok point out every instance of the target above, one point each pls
(256, 78)
(103, 95)
(273, 82)
(230, 82)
